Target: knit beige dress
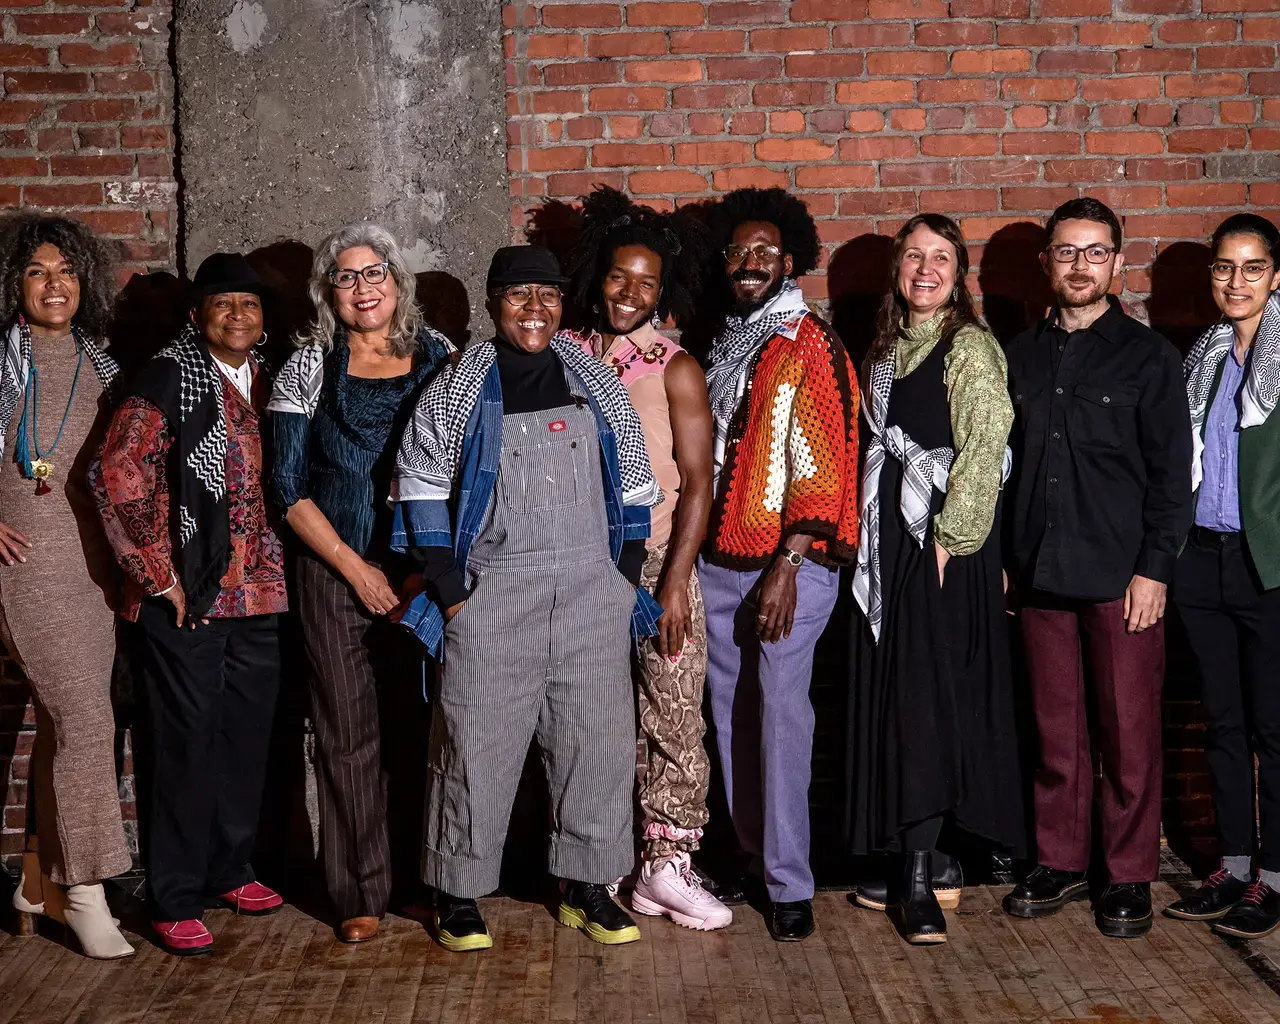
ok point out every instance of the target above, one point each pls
(56, 620)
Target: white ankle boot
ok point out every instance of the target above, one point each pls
(86, 913)
(27, 898)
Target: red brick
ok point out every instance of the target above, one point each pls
(664, 71)
(1271, 110)
(1207, 194)
(1124, 143)
(960, 200)
(45, 82)
(747, 122)
(883, 147)
(557, 47)
(877, 202)
(138, 22)
(668, 182)
(704, 124)
(23, 167)
(949, 33)
(771, 13)
(1212, 140)
(1165, 225)
(1225, 84)
(1168, 169)
(836, 176)
(714, 97)
(1049, 33)
(1127, 197)
(105, 136)
(1256, 28)
(1238, 111)
(10, 196)
(986, 62)
(982, 228)
(1043, 89)
(1157, 6)
(123, 81)
(786, 122)
(588, 72)
(871, 93)
(563, 101)
(1264, 138)
(910, 119)
(579, 183)
(790, 94)
(906, 62)
(584, 128)
(1155, 115)
(155, 165)
(711, 154)
(665, 15)
(789, 40)
(628, 155)
(943, 118)
(1021, 143)
(913, 10)
(581, 16)
(1114, 33)
(627, 44)
(53, 24)
(734, 68)
(88, 56)
(62, 195)
(865, 121)
(728, 178)
(969, 90)
(60, 139)
(1030, 117)
(1199, 30)
(708, 42)
(828, 10)
(1036, 198)
(1264, 84)
(990, 9)
(1192, 114)
(14, 139)
(793, 150)
(1264, 193)
(869, 36)
(1072, 116)
(23, 55)
(1116, 115)
(1154, 59)
(916, 173)
(1085, 62)
(1223, 6)
(1235, 56)
(1135, 87)
(824, 65)
(86, 166)
(623, 98)
(825, 122)
(960, 145)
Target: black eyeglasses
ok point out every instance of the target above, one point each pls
(1225, 270)
(735, 254)
(1092, 253)
(375, 273)
(520, 294)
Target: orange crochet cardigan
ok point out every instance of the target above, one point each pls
(791, 456)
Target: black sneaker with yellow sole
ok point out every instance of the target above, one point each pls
(459, 926)
(589, 908)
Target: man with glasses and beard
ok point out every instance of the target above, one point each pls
(784, 397)
(1101, 503)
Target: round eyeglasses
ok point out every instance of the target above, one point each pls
(521, 294)
(735, 254)
(1093, 253)
(375, 273)
(1225, 270)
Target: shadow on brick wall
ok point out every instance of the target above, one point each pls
(1181, 303)
(858, 277)
(1015, 291)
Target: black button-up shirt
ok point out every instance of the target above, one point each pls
(1101, 487)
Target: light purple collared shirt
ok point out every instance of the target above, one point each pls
(1218, 506)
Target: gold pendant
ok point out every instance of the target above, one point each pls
(41, 469)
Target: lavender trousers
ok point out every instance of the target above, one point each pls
(764, 720)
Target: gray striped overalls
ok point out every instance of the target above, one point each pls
(540, 648)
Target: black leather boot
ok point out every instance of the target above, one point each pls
(915, 911)
(948, 880)
(1124, 912)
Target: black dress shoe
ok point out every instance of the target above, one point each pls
(459, 926)
(914, 910)
(1220, 892)
(732, 892)
(948, 881)
(1257, 914)
(791, 922)
(1046, 891)
(1124, 912)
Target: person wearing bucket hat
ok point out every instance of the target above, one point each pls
(205, 585)
(524, 486)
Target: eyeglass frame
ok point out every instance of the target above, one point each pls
(769, 257)
(502, 292)
(1111, 251)
(333, 275)
(1266, 265)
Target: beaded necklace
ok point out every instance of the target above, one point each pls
(40, 468)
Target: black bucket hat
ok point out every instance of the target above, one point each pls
(227, 272)
(524, 264)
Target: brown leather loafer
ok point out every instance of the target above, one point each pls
(358, 929)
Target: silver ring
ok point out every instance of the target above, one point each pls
(762, 618)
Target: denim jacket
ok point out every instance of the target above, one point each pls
(457, 523)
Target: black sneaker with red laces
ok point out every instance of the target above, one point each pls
(1257, 914)
(1214, 899)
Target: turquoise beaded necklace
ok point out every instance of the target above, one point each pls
(41, 467)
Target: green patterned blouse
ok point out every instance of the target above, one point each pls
(976, 377)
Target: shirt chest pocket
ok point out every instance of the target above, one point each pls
(1104, 416)
(546, 476)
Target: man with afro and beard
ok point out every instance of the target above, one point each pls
(784, 398)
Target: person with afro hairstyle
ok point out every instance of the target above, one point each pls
(632, 269)
(58, 583)
(784, 397)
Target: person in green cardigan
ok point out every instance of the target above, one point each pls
(1227, 581)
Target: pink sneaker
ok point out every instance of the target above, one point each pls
(669, 889)
(184, 938)
(254, 898)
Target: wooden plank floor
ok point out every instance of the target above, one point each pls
(288, 969)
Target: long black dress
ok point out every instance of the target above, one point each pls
(931, 712)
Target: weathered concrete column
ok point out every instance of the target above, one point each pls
(297, 116)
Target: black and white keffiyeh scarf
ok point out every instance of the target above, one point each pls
(431, 450)
(1261, 387)
(16, 366)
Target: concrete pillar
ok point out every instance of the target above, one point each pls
(297, 116)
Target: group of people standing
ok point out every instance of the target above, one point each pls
(571, 528)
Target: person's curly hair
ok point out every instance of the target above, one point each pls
(773, 206)
(93, 260)
(609, 221)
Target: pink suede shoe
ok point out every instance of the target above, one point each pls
(253, 898)
(184, 938)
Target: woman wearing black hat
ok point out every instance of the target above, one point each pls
(522, 482)
(205, 584)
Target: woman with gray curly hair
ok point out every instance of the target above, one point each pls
(339, 407)
(58, 580)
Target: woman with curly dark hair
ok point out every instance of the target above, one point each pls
(58, 581)
(931, 708)
(632, 269)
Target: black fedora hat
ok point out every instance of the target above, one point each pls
(524, 264)
(227, 272)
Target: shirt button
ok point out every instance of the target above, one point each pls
(1058, 390)
(1106, 399)
(1051, 526)
(1053, 479)
(1056, 435)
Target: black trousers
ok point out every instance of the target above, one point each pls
(211, 694)
(1234, 629)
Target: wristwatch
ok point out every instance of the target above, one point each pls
(794, 557)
